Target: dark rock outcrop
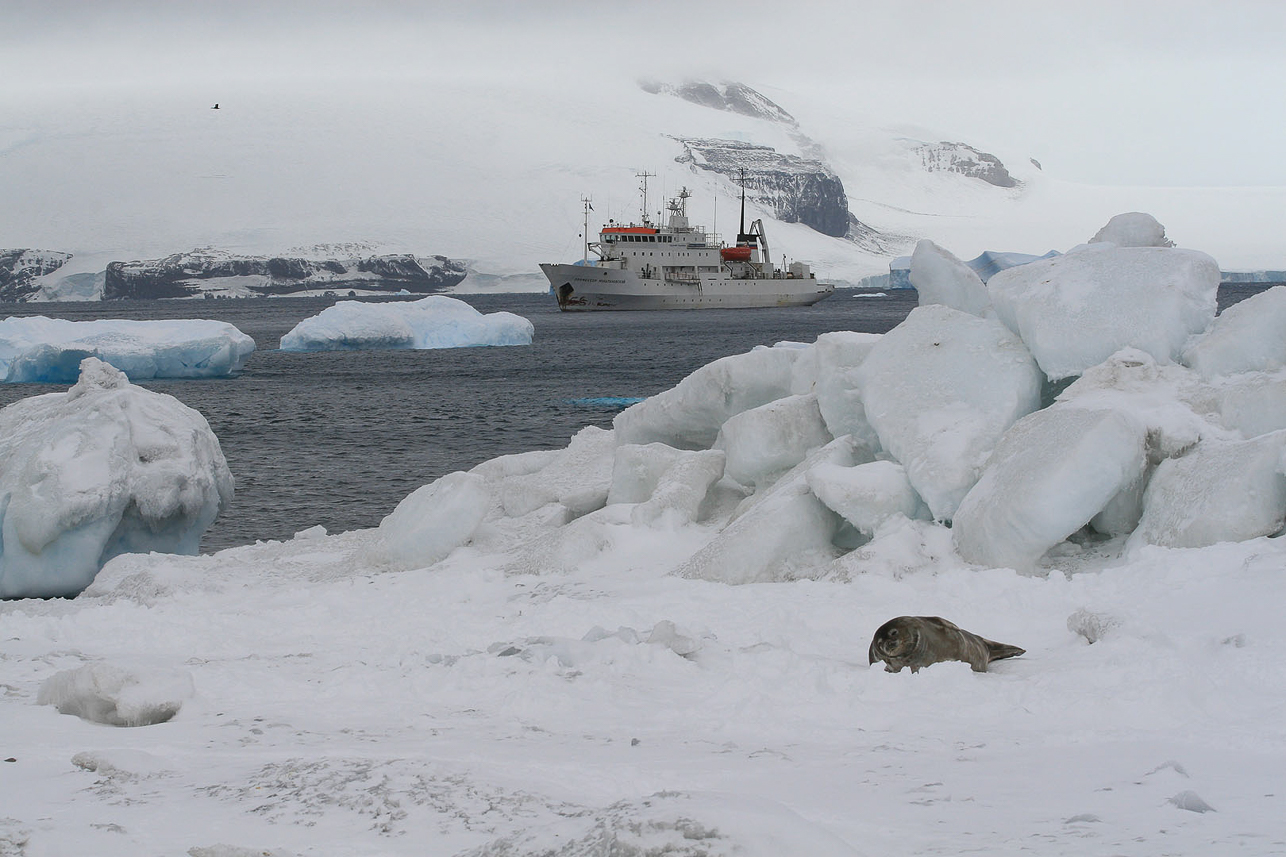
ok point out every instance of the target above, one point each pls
(733, 97)
(966, 160)
(185, 275)
(796, 190)
(20, 268)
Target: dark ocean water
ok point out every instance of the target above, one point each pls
(339, 438)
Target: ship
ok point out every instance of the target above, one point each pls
(648, 266)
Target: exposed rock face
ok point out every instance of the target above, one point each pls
(795, 189)
(966, 160)
(185, 275)
(20, 268)
(733, 97)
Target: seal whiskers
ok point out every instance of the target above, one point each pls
(918, 641)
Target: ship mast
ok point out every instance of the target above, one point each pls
(742, 237)
(643, 189)
(586, 200)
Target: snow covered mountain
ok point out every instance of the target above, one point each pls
(220, 274)
(20, 269)
(491, 171)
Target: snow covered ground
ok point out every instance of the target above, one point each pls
(345, 709)
(637, 647)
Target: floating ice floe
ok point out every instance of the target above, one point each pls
(49, 350)
(102, 469)
(433, 322)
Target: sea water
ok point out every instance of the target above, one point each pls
(338, 438)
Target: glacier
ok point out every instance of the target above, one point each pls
(50, 350)
(433, 322)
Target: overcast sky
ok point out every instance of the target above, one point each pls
(1119, 92)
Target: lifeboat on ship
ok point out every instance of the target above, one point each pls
(735, 254)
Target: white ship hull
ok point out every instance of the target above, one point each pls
(587, 288)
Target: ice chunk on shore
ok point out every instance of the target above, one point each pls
(1249, 336)
(1220, 492)
(866, 495)
(764, 442)
(1075, 311)
(839, 398)
(666, 483)
(1133, 229)
(103, 469)
(116, 696)
(781, 531)
(690, 414)
(49, 350)
(780, 538)
(1253, 403)
(433, 322)
(940, 278)
(435, 519)
(940, 389)
(1050, 474)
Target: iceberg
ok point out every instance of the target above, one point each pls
(433, 322)
(49, 350)
(103, 469)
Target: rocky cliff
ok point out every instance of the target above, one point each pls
(966, 160)
(20, 268)
(796, 190)
(217, 273)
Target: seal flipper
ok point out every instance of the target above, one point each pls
(996, 651)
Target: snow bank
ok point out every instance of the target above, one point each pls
(117, 696)
(49, 350)
(102, 469)
(433, 322)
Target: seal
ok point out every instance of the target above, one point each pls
(918, 641)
